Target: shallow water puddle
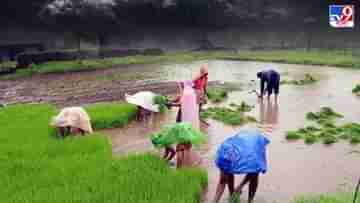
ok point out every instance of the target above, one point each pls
(294, 168)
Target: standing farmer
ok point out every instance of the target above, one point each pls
(200, 84)
(272, 80)
(243, 153)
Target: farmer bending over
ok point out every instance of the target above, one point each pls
(272, 80)
(243, 153)
(144, 101)
(72, 120)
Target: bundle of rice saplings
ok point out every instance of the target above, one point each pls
(176, 134)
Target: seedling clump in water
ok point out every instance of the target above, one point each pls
(309, 79)
(324, 117)
(327, 131)
(356, 90)
(229, 116)
(243, 107)
(217, 95)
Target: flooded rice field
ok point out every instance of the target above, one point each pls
(294, 168)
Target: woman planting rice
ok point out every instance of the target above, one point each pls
(145, 101)
(72, 120)
(182, 134)
(186, 101)
(188, 113)
(243, 153)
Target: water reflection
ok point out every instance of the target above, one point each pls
(268, 114)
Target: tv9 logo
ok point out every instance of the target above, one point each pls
(341, 16)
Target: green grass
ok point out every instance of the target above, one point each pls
(216, 95)
(93, 64)
(227, 115)
(308, 79)
(314, 57)
(327, 131)
(37, 167)
(335, 198)
(110, 115)
(7, 64)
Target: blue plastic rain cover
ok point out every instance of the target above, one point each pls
(243, 153)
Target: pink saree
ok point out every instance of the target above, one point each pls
(189, 106)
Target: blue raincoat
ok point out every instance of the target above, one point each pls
(243, 153)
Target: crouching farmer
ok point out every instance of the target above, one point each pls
(184, 136)
(72, 120)
(243, 153)
(145, 102)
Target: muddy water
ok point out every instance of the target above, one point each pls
(294, 168)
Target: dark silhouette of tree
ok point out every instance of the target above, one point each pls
(86, 20)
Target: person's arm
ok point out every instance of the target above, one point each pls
(205, 85)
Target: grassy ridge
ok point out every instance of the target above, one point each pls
(36, 167)
(314, 57)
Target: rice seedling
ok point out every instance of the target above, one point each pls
(243, 107)
(327, 131)
(110, 115)
(36, 167)
(355, 139)
(227, 115)
(310, 138)
(312, 129)
(356, 89)
(308, 79)
(330, 139)
(325, 115)
(216, 95)
(162, 101)
(293, 135)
